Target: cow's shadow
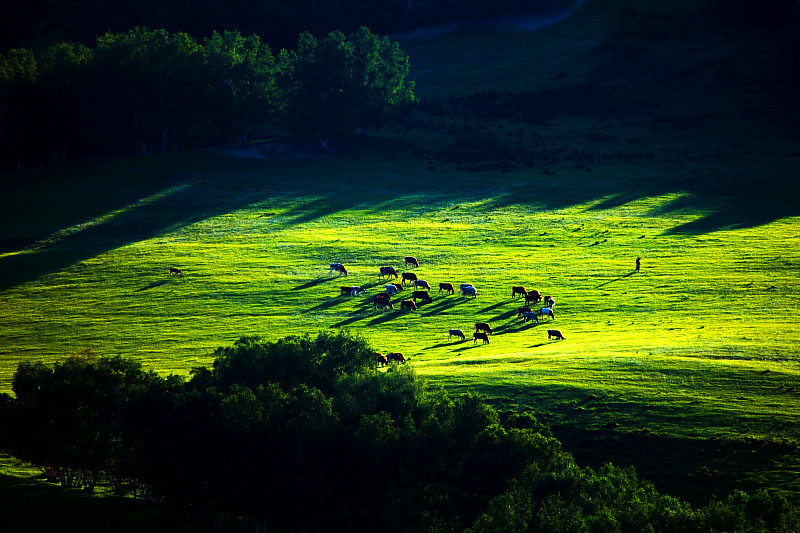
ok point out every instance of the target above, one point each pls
(504, 316)
(346, 322)
(469, 347)
(435, 308)
(445, 344)
(492, 307)
(385, 318)
(327, 304)
(153, 285)
(313, 283)
(515, 327)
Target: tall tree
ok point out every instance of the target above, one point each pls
(332, 87)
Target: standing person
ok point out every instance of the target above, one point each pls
(638, 263)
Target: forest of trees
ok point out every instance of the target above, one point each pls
(306, 434)
(151, 91)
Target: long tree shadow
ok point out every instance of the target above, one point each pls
(153, 285)
(629, 274)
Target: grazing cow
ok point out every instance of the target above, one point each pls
(518, 290)
(549, 302)
(408, 260)
(521, 310)
(382, 299)
(456, 333)
(381, 359)
(389, 272)
(352, 291)
(554, 333)
(395, 356)
(533, 297)
(408, 276)
(408, 304)
(546, 311)
(175, 271)
(483, 336)
(421, 283)
(469, 291)
(337, 267)
(447, 287)
(464, 285)
(483, 326)
(424, 296)
(530, 315)
(393, 288)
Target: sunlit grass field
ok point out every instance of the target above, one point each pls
(701, 345)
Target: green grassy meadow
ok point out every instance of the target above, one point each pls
(689, 369)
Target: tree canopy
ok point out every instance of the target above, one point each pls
(148, 91)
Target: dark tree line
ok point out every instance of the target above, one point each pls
(151, 91)
(304, 433)
(34, 23)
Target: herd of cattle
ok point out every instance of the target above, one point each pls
(421, 293)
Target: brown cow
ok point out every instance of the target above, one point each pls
(388, 271)
(447, 287)
(482, 336)
(381, 359)
(518, 290)
(554, 333)
(408, 276)
(408, 260)
(408, 304)
(521, 310)
(483, 326)
(175, 271)
(395, 356)
(424, 296)
(533, 297)
(382, 299)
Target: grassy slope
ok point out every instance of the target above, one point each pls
(699, 349)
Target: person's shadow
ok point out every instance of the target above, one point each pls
(629, 274)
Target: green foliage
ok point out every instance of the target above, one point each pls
(241, 73)
(334, 86)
